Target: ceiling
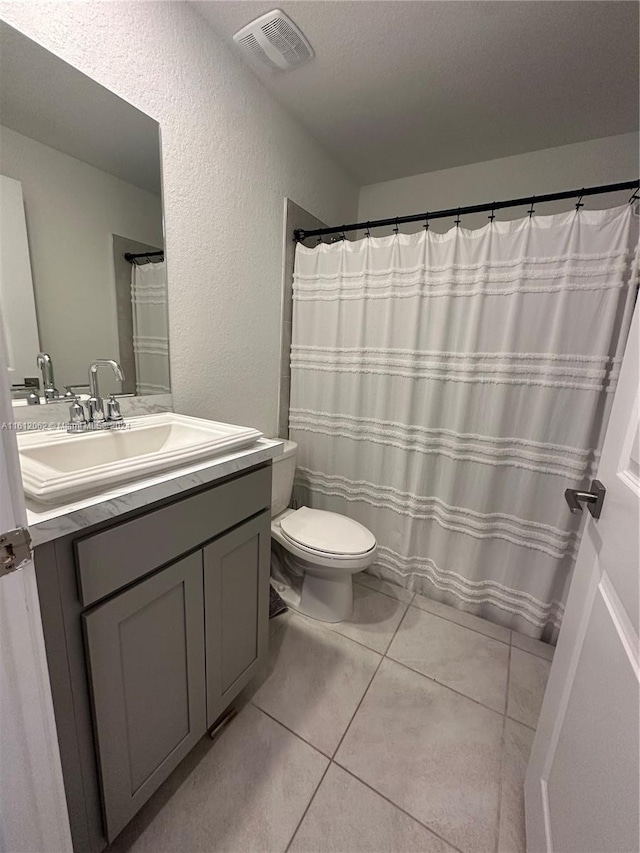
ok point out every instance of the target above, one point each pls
(46, 99)
(397, 88)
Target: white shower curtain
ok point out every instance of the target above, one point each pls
(150, 328)
(447, 389)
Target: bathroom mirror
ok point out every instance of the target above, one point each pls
(80, 193)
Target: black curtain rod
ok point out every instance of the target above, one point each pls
(132, 258)
(301, 234)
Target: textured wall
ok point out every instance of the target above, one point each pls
(230, 155)
(598, 161)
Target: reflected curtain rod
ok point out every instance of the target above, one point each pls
(132, 258)
(301, 234)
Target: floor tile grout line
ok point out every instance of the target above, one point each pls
(384, 654)
(382, 592)
(357, 708)
(291, 731)
(534, 654)
(506, 695)
(405, 666)
(503, 752)
(503, 715)
(308, 806)
(520, 723)
(502, 764)
(322, 627)
(446, 686)
(398, 626)
(316, 623)
(475, 630)
(395, 805)
(408, 604)
(528, 651)
(349, 639)
(344, 734)
(332, 759)
(460, 625)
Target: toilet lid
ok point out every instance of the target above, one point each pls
(327, 531)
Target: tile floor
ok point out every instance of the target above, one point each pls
(407, 728)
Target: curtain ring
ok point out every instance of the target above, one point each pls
(457, 221)
(492, 216)
(367, 233)
(635, 195)
(426, 222)
(395, 230)
(531, 211)
(580, 204)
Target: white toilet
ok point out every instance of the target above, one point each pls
(316, 551)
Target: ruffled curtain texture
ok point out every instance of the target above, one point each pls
(447, 389)
(150, 328)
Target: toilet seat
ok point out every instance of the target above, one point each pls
(327, 533)
(326, 592)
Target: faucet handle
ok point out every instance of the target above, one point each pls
(96, 411)
(77, 416)
(113, 412)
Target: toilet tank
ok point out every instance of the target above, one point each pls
(284, 469)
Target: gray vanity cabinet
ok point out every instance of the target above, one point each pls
(145, 651)
(154, 621)
(236, 593)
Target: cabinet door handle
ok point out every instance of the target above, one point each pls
(593, 499)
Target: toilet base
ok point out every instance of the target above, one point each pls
(326, 599)
(322, 590)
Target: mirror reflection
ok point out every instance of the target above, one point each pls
(82, 266)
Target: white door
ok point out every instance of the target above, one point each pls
(17, 302)
(33, 809)
(582, 783)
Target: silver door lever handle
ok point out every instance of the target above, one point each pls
(593, 499)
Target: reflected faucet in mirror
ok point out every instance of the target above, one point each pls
(50, 392)
(43, 360)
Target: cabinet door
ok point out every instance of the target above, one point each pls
(145, 650)
(236, 593)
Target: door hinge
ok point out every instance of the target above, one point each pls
(15, 550)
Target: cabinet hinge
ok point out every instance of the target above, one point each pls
(15, 550)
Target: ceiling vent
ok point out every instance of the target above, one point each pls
(274, 41)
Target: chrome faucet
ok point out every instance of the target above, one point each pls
(96, 403)
(43, 360)
(97, 419)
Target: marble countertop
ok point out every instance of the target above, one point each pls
(48, 523)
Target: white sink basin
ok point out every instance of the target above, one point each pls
(56, 465)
